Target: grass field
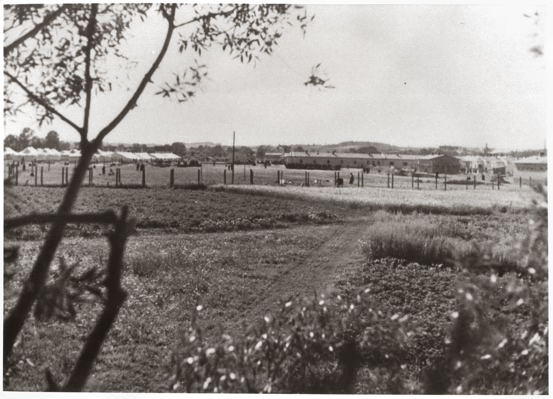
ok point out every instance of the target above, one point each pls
(408, 199)
(240, 250)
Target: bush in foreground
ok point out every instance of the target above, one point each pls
(311, 346)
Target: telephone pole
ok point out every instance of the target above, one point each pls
(233, 141)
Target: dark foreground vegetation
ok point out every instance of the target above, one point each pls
(437, 303)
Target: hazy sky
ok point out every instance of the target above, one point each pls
(407, 75)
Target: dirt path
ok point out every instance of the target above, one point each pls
(319, 271)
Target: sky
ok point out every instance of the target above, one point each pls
(412, 75)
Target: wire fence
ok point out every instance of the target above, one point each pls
(56, 174)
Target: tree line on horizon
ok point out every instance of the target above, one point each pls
(28, 137)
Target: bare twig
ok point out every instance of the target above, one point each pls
(145, 80)
(37, 99)
(47, 20)
(115, 298)
(46, 218)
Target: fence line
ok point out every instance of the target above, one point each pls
(127, 176)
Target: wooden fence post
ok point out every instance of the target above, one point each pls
(388, 180)
(199, 177)
(466, 184)
(36, 175)
(530, 180)
(171, 177)
(224, 176)
(48, 166)
(498, 182)
(520, 181)
(358, 180)
(392, 179)
(363, 179)
(412, 180)
(474, 179)
(445, 182)
(67, 175)
(42, 175)
(62, 175)
(251, 176)
(418, 183)
(17, 175)
(308, 179)
(436, 181)
(143, 175)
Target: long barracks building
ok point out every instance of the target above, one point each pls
(377, 162)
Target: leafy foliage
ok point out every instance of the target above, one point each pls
(487, 351)
(58, 298)
(316, 345)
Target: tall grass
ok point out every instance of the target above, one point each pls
(431, 240)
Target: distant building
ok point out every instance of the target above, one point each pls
(378, 162)
(530, 167)
(273, 157)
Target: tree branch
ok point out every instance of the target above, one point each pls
(91, 27)
(115, 298)
(46, 218)
(145, 80)
(49, 18)
(49, 108)
(206, 16)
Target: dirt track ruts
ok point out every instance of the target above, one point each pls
(319, 271)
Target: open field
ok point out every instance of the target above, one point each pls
(238, 251)
(174, 210)
(384, 197)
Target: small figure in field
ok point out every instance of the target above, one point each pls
(351, 178)
(340, 182)
(104, 169)
(137, 166)
(142, 166)
(110, 172)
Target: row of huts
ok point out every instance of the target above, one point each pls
(334, 161)
(435, 163)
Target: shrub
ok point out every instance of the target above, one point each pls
(498, 343)
(315, 346)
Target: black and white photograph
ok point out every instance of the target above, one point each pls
(284, 198)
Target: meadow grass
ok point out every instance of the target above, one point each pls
(399, 200)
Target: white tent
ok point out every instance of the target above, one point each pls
(165, 156)
(53, 154)
(9, 153)
(74, 154)
(144, 156)
(41, 154)
(28, 154)
(125, 156)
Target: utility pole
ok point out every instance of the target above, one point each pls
(233, 141)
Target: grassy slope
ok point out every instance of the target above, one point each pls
(229, 273)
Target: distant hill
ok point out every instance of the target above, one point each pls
(201, 143)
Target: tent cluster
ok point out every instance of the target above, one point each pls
(50, 154)
(40, 154)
